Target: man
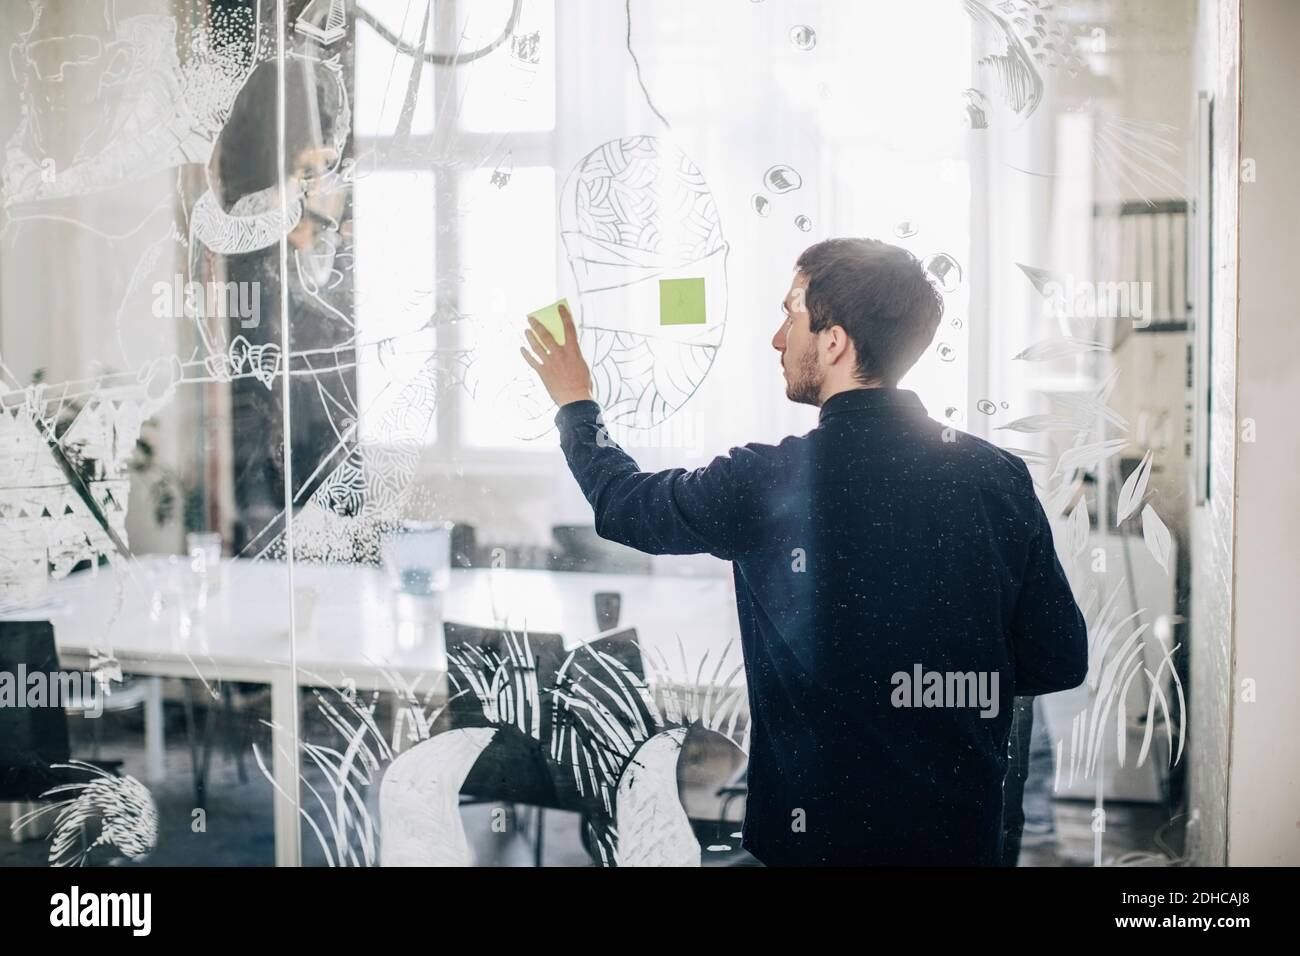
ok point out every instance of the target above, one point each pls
(896, 580)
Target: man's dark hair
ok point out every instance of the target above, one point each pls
(880, 295)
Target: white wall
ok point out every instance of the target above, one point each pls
(1264, 771)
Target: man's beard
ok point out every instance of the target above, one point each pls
(805, 385)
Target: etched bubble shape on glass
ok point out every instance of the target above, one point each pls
(782, 179)
(945, 270)
(803, 37)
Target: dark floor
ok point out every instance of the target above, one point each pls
(235, 829)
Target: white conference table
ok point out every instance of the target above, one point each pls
(351, 627)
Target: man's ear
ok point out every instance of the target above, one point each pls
(838, 346)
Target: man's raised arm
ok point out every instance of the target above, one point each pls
(667, 512)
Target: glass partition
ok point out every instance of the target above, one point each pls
(143, 375)
(284, 502)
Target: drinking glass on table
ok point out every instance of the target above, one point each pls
(417, 557)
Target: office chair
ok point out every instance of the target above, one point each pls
(34, 739)
(516, 674)
(235, 716)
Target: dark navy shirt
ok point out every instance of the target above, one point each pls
(880, 544)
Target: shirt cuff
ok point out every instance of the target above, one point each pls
(575, 413)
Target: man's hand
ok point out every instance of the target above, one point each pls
(561, 368)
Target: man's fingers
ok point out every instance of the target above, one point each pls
(528, 357)
(535, 341)
(543, 334)
(570, 333)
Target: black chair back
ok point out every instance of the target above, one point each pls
(604, 679)
(504, 679)
(31, 738)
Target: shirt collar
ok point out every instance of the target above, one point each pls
(871, 400)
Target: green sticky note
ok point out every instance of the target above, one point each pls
(681, 302)
(550, 317)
